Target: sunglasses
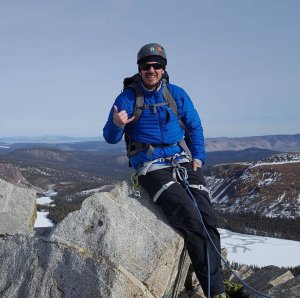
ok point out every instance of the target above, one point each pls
(148, 66)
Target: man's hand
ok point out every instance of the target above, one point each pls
(121, 118)
(197, 164)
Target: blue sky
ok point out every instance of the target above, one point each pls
(62, 62)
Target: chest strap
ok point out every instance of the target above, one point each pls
(154, 106)
(135, 147)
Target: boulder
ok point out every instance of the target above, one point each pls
(267, 278)
(290, 288)
(17, 208)
(114, 246)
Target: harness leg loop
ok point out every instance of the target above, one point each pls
(162, 189)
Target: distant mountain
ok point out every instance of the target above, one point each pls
(89, 146)
(43, 166)
(87, 151)
(283, 143)
(47, 139)
(269, 187)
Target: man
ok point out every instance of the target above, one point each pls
(156, 149)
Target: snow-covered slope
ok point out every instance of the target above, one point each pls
(270, 187)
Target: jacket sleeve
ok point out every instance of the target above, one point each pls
(125, 101)
(190, 117)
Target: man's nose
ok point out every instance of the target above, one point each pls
(151, 68)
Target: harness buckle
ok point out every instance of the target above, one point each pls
(200, 187)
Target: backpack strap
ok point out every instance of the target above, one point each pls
(139, 103)
(173, 106)
(133, 83)
(168, 97)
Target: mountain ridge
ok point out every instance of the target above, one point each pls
(280, 142)
(284, 143)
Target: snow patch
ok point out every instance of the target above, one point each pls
(50, 193)
(224, 199)
(90, 191)
(44, 201)
(42, 221)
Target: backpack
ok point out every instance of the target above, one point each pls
(134, 83)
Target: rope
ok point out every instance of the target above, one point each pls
(184, 178)
(208, 271)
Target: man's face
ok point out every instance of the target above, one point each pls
(151, 73)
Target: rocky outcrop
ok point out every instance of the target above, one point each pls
(114, 246)
(17, 208)
(274, 282)
(290, 288)
(131, 234)
(269, 281)
(12, 175)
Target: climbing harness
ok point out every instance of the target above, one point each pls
(181, 175)
(156, 164)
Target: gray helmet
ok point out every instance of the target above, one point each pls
(152, 51)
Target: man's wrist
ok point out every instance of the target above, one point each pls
(117, 124)
(198, 161)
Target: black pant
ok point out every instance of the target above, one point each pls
(184, 216)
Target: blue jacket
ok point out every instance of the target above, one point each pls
(160, 127)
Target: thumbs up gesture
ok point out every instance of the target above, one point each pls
(121, 118)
